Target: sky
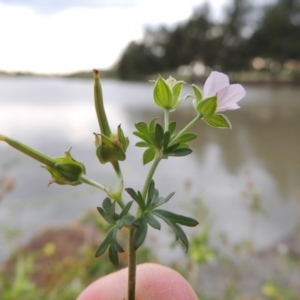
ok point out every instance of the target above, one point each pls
(65, 36)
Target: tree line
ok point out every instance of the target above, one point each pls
(269, 33)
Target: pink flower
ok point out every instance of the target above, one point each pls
(217, 84)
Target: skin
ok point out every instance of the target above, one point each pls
(154, 282)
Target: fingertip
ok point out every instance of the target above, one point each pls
(154, 282)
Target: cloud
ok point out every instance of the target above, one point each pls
(54, 6)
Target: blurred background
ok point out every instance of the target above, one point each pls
(241, 184)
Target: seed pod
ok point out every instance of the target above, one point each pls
(111, 149)
(98, 97)
(64, 170)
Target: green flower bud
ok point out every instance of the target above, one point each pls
(166, 93)
(64, 170)
(111, 149)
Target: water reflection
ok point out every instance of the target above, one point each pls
(54, 114)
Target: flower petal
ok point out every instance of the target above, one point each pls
(215, 82)
(229, 96)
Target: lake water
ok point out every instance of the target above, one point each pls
(54, 114)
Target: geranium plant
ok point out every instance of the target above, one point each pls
(160, 142)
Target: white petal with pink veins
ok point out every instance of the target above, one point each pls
(214, 83)
(229, 96)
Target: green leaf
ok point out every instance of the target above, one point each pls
(159, 135)
(162, 94)
(219, 121)
(117, 246)
(186, 221)
(139, 221)
(180, 152)
(113, 255)
(136, 197)
(142, 144)
(139, 235)
(158, 201)
(150, 193)
(186, 137)
(172, 127)
(142, 127)
(107, 205)
(152, 126)
(151, 220)
(120, 223)
(172, 148)
(166, 139)
(182, 236)
(197, 92)
(148, 155)
(207, 107)
(179, 233)
(128, 220)
(106, 242)
(144, 137)
(126, 209)
(106, 216)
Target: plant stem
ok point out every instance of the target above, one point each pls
(131, 265)
(118, 170)
(185, 129)
(93, 183)
(167, 113)
(156, 161)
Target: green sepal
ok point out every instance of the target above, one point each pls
(218, 121)
(182, 220)
(197, 92)
(162, 94)
(121, 140)
(207, 107)
(176, 90)
(139, 235)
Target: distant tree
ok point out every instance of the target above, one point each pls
(278, 34)
(272, 32)
(137, 61)
(164, 49)
(232, 54)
